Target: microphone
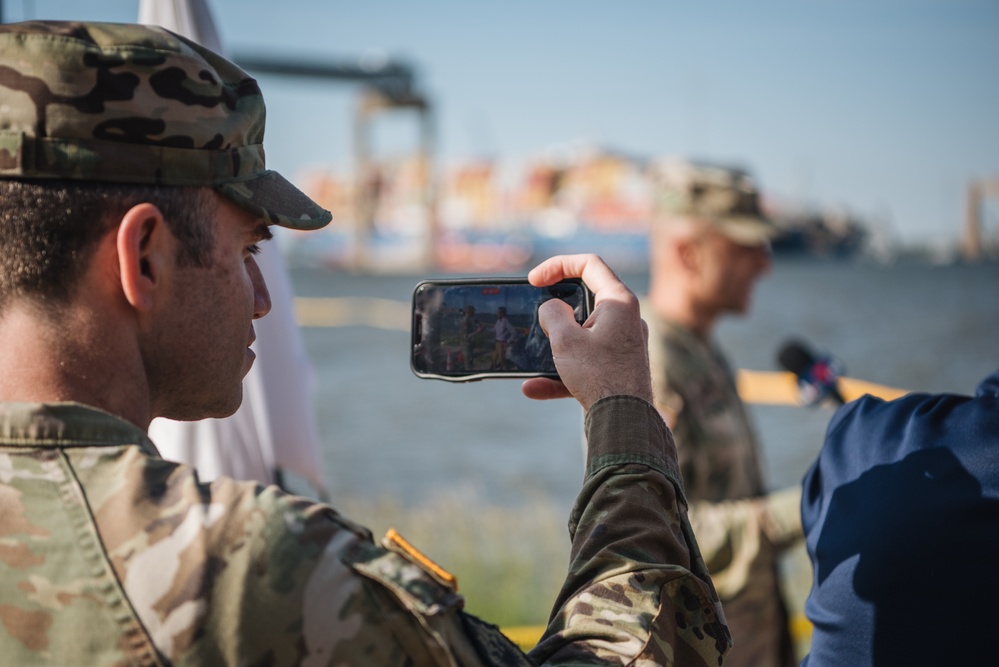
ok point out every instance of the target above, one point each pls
(817, 375)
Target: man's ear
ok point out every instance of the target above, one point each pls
(688, 255)
(145, 253)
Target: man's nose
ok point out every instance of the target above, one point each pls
(261, 297)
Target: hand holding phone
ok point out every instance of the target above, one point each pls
(608, 354)
(464, 330)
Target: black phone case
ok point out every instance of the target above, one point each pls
(431, 357)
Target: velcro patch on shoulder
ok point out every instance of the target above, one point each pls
(414, 586)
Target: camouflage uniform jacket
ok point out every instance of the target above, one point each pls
(112, 556)
(739, 529)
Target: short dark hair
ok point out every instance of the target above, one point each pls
(49, 228)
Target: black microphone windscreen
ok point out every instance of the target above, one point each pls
(795, 357)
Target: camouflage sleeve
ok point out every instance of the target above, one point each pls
(637, 588)
(737, 536)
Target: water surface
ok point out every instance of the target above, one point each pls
(914, 326)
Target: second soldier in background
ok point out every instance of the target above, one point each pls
(709, 245)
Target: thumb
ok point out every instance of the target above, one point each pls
(558, 321)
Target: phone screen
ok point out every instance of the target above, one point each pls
(466, 330)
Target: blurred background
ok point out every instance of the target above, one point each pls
(531, 123)
(457, 138)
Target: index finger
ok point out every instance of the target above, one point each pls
(593, 271)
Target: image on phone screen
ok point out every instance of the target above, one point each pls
(475, 329)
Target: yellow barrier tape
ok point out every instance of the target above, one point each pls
(852, 389)
(801, 629)
(781, 388)
(524, 636)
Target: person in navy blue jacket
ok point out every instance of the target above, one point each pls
(901, 517)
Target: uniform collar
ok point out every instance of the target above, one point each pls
(67, 425)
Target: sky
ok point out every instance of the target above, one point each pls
(884, 108)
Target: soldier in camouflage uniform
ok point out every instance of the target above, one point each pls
(133, 194)
(709, 245)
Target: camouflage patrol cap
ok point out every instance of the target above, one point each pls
(120, 103)
(724, 197)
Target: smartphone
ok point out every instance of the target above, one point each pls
(465, 330)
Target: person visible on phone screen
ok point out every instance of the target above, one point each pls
(505, 334)
(468, 331)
